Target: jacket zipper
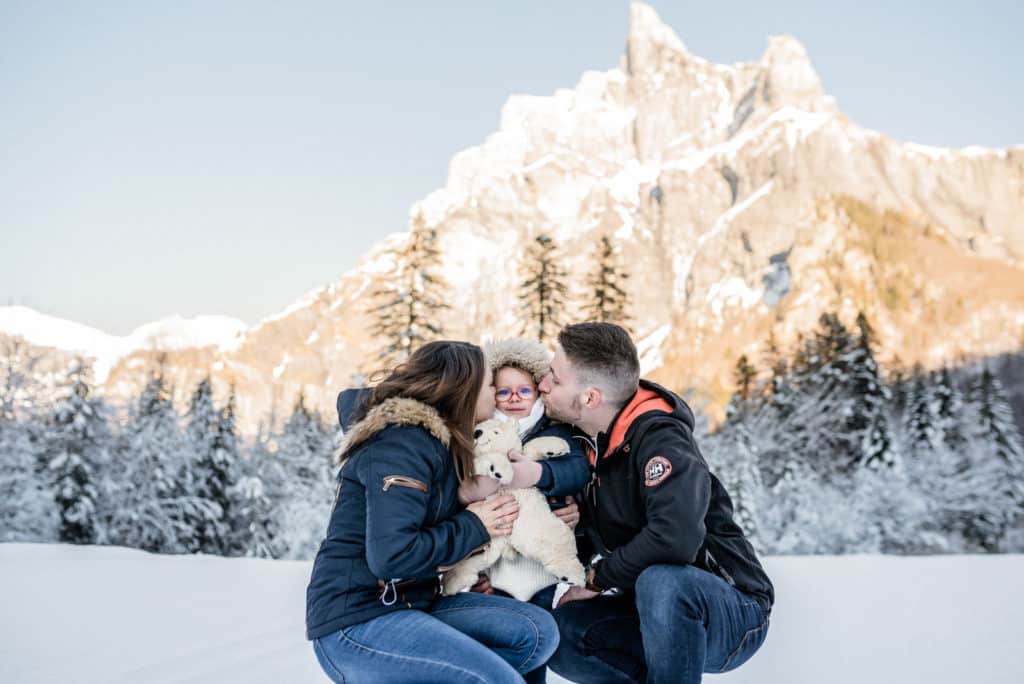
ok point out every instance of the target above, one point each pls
(403, 481)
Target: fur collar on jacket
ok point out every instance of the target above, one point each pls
(393, 411)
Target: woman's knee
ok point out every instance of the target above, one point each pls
(538, 636)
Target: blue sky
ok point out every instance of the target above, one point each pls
(225, 158)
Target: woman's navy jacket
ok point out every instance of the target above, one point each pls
(396, 517)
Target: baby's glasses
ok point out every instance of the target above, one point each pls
(505, 393)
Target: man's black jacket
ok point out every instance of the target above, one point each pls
(653, 500)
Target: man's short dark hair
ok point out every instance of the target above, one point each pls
(602, 354)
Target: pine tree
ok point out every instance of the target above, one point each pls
(740, 474)
(27, 511)
(606, 284)
(301, 486)
(406, 307)
(868, 419)
(823, 381)
(208, 474)
(76, 450)
(544, 289)
(898, 385)
(918, 418)
(255, 527)
(155, 512)
(999, 449)
(948, 408)
(744, 375)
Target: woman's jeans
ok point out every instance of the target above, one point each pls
(463, 638)
(680, 623)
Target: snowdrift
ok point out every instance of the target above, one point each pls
(103, 614)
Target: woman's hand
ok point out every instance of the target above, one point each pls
(496, 514)
(478, 488)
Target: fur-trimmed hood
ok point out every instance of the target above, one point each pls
(526, 355)
(393, 411)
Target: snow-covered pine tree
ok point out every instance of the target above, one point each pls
(998, 447)
(898, 385)
(918, 419)
(209, 473)
(868, 419)
(77, 450)
(153, 511)
(27, 510)
(406, 307)
(606, 286)
(947, 404)
(255, 528)
(735, 456)
(544, 289)
(306, 455)
(744, 375)
(822, 377)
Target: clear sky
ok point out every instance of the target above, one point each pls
(204, 157)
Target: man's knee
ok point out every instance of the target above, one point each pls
(662, 589)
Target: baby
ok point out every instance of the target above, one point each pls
(518, 366)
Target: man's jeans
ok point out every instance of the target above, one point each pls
(462, 638)
(681, 623)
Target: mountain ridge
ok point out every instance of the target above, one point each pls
(743, 200)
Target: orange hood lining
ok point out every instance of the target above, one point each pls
(643, 401)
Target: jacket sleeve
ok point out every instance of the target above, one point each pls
(399, 544)
(676, 490)
(565, 475)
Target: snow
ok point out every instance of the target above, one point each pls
(685, 264)
(171, 333)
(279, 369)
(123, 615)
(796, 124)
(732, 291)
(649, 348)
(175, 332)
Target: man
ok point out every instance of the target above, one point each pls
(673, 588)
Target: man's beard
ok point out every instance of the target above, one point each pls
(572, 415)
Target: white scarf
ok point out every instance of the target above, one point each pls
(524, 425)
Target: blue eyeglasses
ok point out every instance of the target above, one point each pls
(505, 393)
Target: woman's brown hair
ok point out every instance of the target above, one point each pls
(447, 376)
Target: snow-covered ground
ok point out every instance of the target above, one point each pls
(100, 614)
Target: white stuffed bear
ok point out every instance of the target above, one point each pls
(537, 533)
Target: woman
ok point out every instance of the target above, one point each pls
(372, 605)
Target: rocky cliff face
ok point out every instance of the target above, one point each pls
(743, 200)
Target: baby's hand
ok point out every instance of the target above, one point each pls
(515, 455)
(525, 474)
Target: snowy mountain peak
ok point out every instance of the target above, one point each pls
(167, 334)
(652, 44)
(792, 79)
(177, 332)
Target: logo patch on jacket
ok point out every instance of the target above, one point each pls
(656, 470)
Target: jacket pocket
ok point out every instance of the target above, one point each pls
(403, 481)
